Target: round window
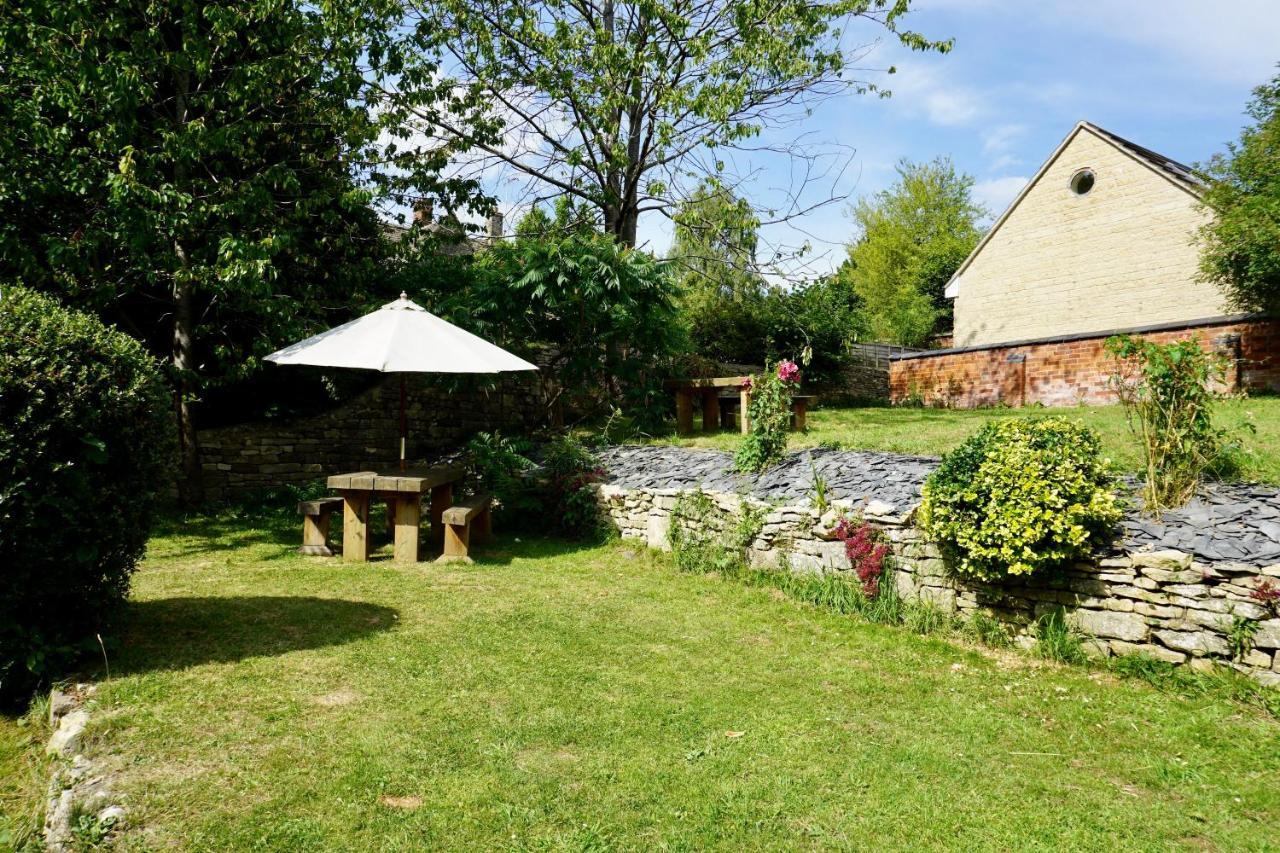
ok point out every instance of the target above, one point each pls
(1082, 182)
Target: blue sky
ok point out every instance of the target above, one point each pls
(1172, 75)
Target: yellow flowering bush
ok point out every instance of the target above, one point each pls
(1021, 495)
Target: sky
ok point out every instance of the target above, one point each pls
(1171, 75)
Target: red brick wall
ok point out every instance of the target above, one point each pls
(1067, 373)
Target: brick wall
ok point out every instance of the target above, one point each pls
(1062, 264)
(1067, 372)
(363, 433)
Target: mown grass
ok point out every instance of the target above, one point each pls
(562, 696)
(931, 432)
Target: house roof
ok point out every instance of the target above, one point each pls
(1176, 173)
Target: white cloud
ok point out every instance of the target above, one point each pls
(998, 193)
(923, 90)
(1000, 138)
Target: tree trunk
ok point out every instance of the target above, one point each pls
(191, 484)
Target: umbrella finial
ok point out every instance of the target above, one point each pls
(404, 296)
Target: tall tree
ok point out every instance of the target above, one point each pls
(714, 248)
(203, 173)
(624, 104)
(912, 238)
(1240, 246)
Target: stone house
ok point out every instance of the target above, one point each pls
(1099, 242)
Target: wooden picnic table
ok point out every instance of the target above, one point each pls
(402, 491)
(709, 392)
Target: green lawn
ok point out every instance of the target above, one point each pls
(935, 431)
(568, 697)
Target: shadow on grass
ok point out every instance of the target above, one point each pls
(174, 633)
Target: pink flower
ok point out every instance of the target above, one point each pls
(788, 371)
(746, 384)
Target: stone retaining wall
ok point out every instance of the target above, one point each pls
(1171, 604)
(362, 433)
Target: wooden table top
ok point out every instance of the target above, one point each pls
(710, 382)
(413, 480)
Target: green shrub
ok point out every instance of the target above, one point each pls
(1165, 389)
(1020, 495)
(558, 495)
(85, 447)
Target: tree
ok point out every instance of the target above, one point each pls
(599, 318)
(1240, 246)
(714, 250)
(622, 103)
(913, 237)
(203, 174)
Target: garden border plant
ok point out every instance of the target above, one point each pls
(1019, 496)
(769, 414)
(1168, 399)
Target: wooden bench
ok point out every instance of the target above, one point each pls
(315, 525)
(460, 521)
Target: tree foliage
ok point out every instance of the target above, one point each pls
(1241, 244)
(203, 174)
(623, 103)
(599, 318)
(912, 238)
(84, 453)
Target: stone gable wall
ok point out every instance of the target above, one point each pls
(1122, 255)
(1071, 372)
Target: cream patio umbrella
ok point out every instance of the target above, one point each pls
(401, 337)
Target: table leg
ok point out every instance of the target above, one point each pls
(744, 404)
(711, 411)
(684, 411)
(408, 519)
(355, 527)
(441, 499)
(799, 415)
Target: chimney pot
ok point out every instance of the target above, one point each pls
(495, 225)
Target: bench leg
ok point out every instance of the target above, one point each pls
(355, 527)
(744, 409)
(684, 411)
(315, 535)
(711, 411)
(441, 499)
(408, 517)
(457, 540)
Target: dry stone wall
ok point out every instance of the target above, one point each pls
(362, 433)
(1175, 604)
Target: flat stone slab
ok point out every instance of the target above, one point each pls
(1225, 523)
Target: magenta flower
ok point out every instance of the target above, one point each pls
(788, 371)
(746, 384)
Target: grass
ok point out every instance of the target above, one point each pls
(556, 696)
(931, 432)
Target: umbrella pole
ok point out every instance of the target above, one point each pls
(404, 430)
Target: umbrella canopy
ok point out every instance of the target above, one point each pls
(401, 337)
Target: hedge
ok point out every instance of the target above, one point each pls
(85, 447)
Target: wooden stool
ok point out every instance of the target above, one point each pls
(315, 525)
(458, 522)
